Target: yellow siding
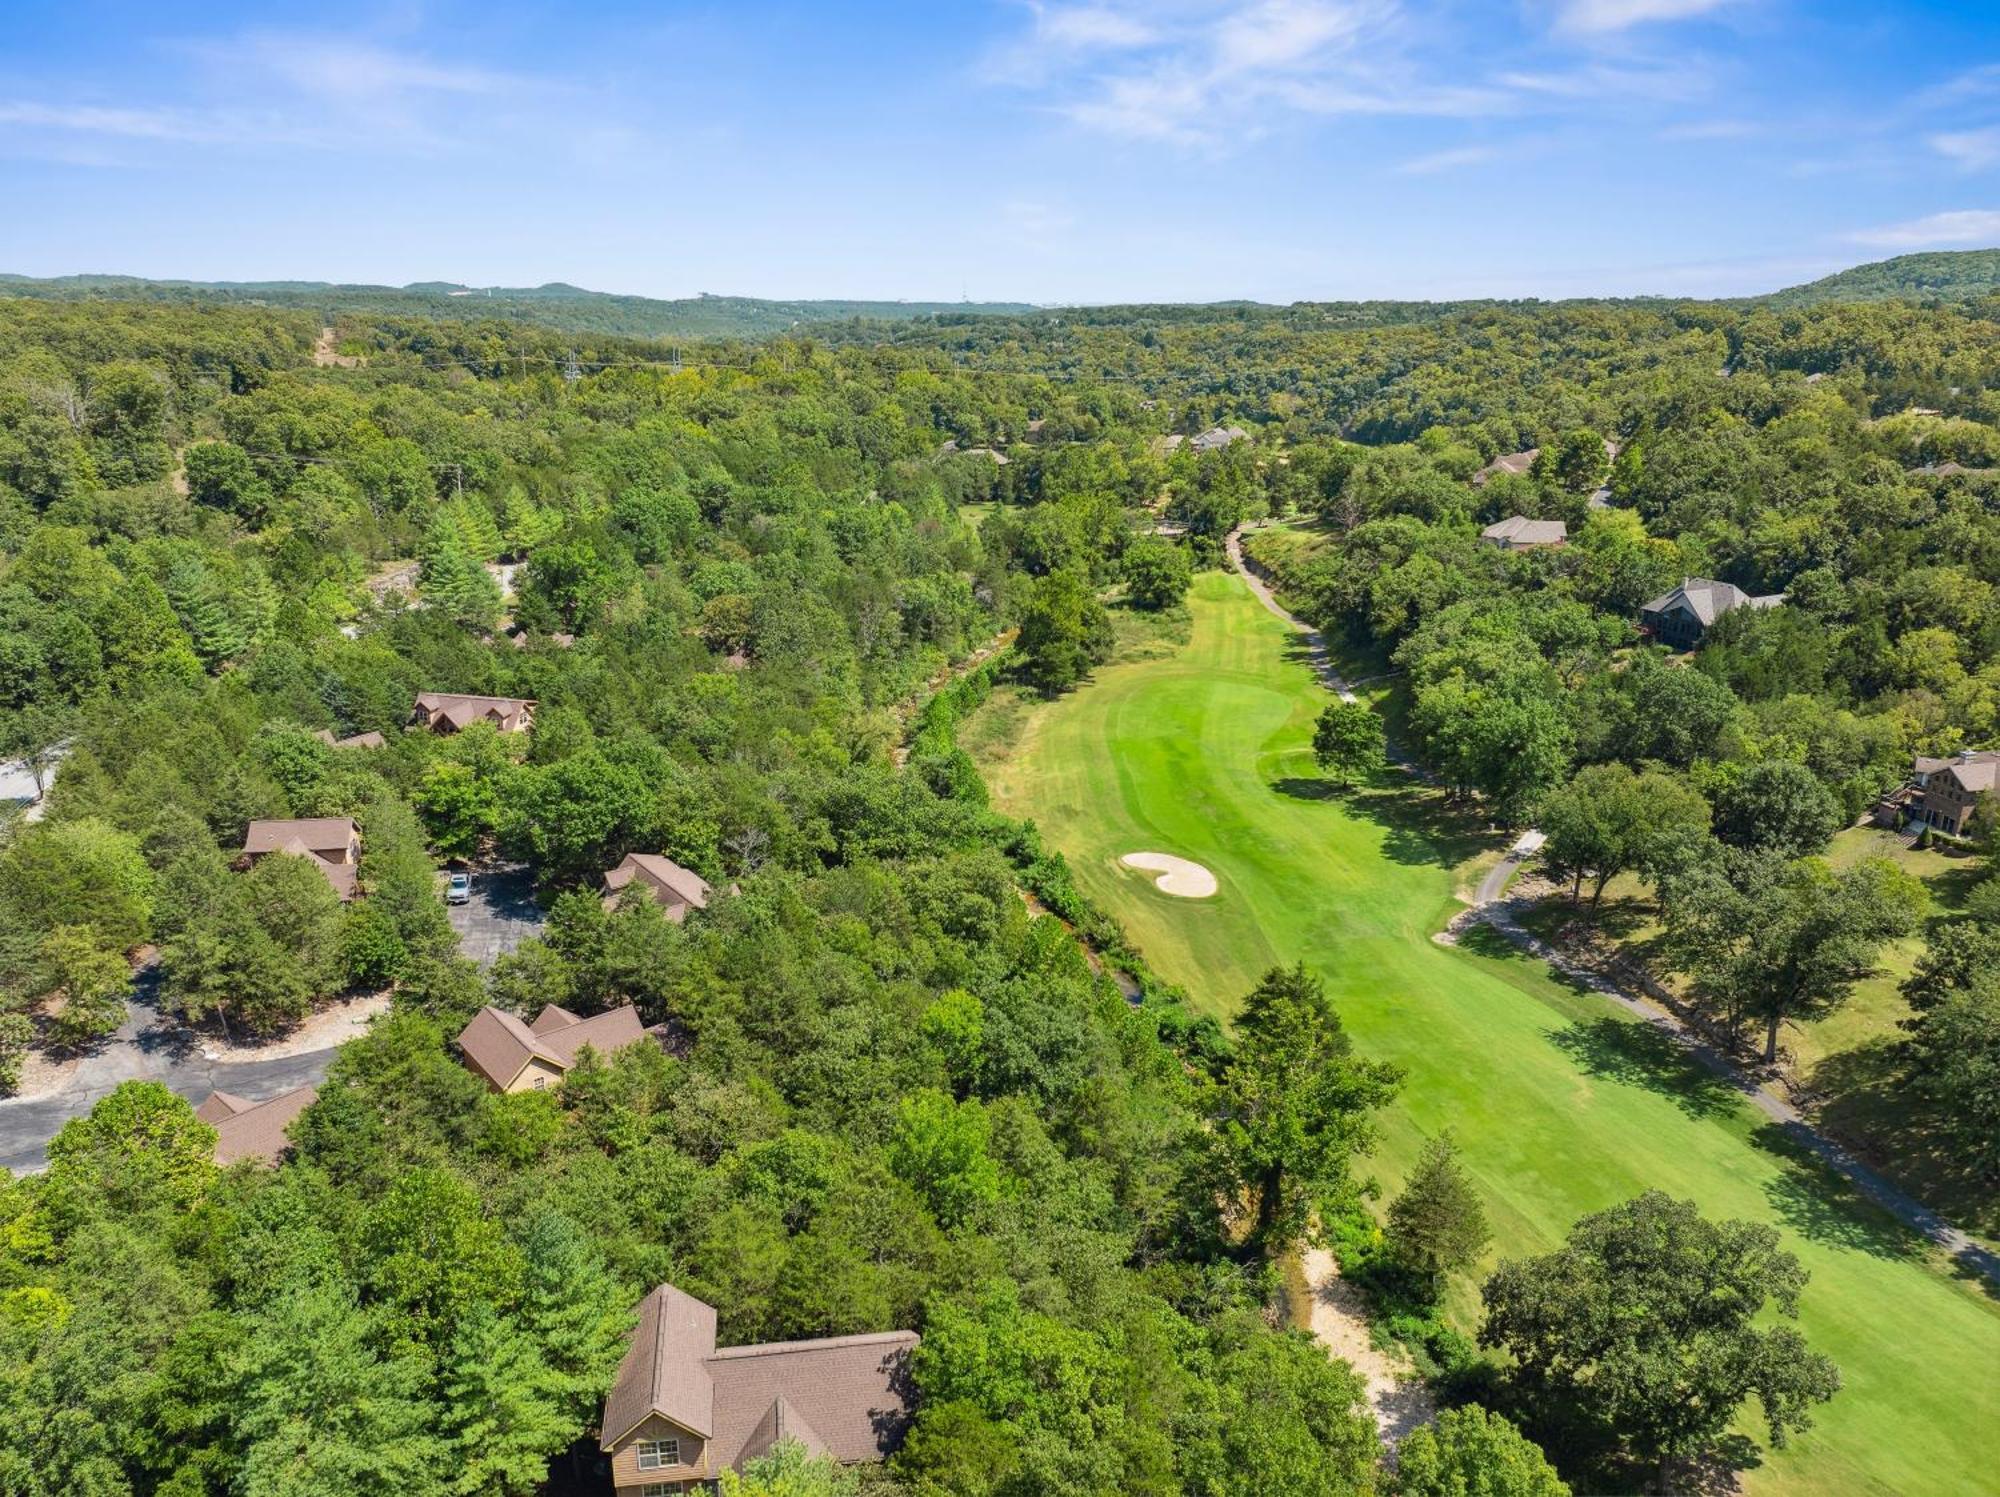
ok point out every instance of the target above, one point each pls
(537, 1075)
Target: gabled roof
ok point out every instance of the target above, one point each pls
(1522, 531)
(461, 710)
(1217, 437)
(358, 740)
(606, 1033)
(1976, 772)
(1708, 600)
(662, 873)
(257, 1131)
(665, 1370)
(1511, 462)
(498, 1044)
(314, 834)
(844, 1396)
(552, 1017)
(219, 1105)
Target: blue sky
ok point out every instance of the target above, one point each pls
(1041, 150)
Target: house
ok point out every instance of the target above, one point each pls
(514, 1057)
(1519, 533)
(684, 1410)
(1515, 463)
(356, 741)
(674, 888)
(450, 712)
(332, 842)
(1218, 437)
(253, 1130)
(1943, 793)
(1680, 618)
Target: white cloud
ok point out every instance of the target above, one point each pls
(1602, 17)
(1712, 130)
(1090, 27)
(1964, 226)
(1445, 161)
(1972, 150)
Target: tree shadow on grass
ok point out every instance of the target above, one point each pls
(1826, 1207)
(1421, 828)
(1866, 1098)
(1637, 1055)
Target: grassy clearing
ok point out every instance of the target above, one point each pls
(1563, 1106)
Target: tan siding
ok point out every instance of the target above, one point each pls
(537, 1075)
(625, 1472)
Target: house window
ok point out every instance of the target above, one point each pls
(653, 1454)
(663, 1489)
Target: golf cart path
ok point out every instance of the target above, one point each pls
(1501, 915)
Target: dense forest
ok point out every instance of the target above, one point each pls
(737, 582)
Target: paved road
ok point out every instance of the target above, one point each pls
(1490, 909)
(146, 1047)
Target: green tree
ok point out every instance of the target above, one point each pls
(91, 981)
(1158, 572)
(1296, 1104)
(1777, 806)
(940, 1148)
(431, 1253)
(321, 1413)
(140, 1149)
(1954, 1060)
(573, 1309)
(1064, 632)
(1436, 1225)
(499, 1413)
(78, 873)
(1468, 1452)
(1646, 1327)
(221, 474)
(1575, 462)
(1348, 741)
(1785, 941)
(790, 1470)
(1608, 820)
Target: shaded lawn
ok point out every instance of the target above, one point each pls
(1561, 1110)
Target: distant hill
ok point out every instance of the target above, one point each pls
(562, 307)
(1944, 274)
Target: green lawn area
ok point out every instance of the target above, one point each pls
(1562, 1106)
(1847, 1060)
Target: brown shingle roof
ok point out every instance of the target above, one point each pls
(845, 1396)
(217, 1106)
(317, 834)
(664, 875)
(1977, 772)
(1512, 462)
(258, 1132)
(552, 1017)
(665, 1370)
(606, 1033)
(498, 1045)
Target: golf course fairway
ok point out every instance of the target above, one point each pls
(1562, 1106)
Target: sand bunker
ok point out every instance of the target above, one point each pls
(1176, 875)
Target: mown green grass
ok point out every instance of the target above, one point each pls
(1562, 1106)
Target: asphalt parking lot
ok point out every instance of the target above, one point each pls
(501, 914)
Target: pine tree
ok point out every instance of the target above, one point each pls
(501, 1410)
(323, 1415)
(217, 634)
(572, 1309)
(1437, 1226)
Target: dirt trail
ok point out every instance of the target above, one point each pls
(326, 354)
(1397, 1396)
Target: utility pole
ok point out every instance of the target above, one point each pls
(572, 371)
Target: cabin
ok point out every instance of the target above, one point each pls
(353, 741)
(253, 1130)
(1943, 793)
(332, 842)
(674, 888)
(511, 1056)
(1683, 617)
(1519, 533)
(684, 1410)
(453, 712)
